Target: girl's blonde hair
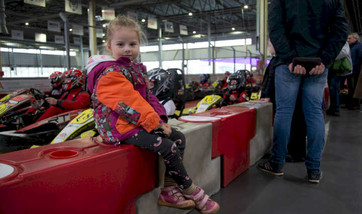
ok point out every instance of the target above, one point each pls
(123, 21)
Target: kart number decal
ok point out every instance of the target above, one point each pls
(210, 99)
(83, 117)
(3, 108)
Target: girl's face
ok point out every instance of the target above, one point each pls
(124, 42)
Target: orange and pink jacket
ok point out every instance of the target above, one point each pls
(122, 103)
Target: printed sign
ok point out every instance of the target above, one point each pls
(40, 3)
(77, 29)
(73, 6)
(183, 30)
(108, 13)
(17, 34)
(40, 37)
(59, 39)
(169, 27)
(76, 40)
(99, 32)
(53, 26)
(152, 22)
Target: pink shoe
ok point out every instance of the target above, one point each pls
(203, 203)
(172, 197)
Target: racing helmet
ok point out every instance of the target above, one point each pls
(73, 78)
(160, 83)
(56, 79)
(238, 83)
(204, 78)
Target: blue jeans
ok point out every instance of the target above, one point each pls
(333, 85)
(286, 92)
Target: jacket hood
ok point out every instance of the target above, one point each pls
(98, 63)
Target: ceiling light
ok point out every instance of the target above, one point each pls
(190, 14)
(26, 23)
(104, 25)
(194, 32)
(246, 6)
(103, 41)
(70, 29)
(143, 20)
(232, 28)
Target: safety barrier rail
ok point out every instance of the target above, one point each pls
(87, 176)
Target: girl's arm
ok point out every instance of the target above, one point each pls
(117, 93)
(160, 109)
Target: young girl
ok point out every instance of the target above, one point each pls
(127, 113)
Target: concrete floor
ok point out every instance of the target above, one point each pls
(340, 190)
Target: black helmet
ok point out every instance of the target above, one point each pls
(160, 83)
(240, 81)
(204, 78)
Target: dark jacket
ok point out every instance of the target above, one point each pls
(307, 28)
(268, 87)
(356, 54)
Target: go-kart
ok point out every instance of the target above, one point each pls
(13, 108)
(38, 133)
(207, 103)
(81, 126)
(252, 90)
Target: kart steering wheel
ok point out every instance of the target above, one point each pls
(37, 94)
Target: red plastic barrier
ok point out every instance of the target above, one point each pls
(326, 96)
(78, 176)
(232, 129)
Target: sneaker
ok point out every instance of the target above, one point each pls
(172, 197)
(314, 176)
(271, 168)
(203, 202)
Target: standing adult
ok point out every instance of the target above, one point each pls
(356, 54)
(340, 67)
(298, 131)
(303, 28)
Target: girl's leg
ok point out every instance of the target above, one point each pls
(180, 141)
(202, 201)
(170, 152)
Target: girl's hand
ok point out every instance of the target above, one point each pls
(166, 129)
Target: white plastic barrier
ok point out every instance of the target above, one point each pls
(204, 171)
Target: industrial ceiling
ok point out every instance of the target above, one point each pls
(218, 17)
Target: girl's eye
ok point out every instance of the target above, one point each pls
(120, 44)
(133, 44)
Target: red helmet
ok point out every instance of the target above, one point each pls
(73, 78)
(56, 79)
